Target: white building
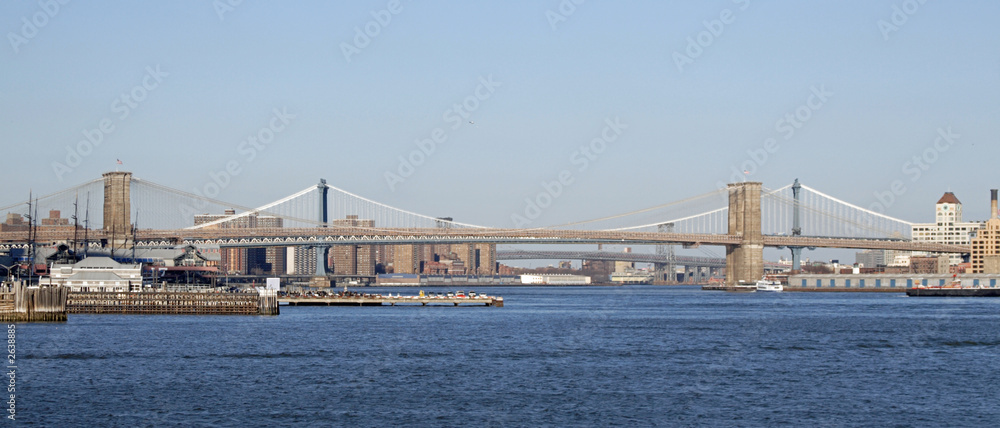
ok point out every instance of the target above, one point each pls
(96, 274)
(555, 279)
(948, 227)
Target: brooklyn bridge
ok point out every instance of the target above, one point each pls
(743, 218)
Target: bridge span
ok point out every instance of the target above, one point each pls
(265, 237)
(813, 219)
(713, 262)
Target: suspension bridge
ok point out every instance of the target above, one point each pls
(744, 218)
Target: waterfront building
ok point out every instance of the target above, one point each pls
(554, 279)
(948, 227)
(985, 251)
(96, 274)
(929, 264)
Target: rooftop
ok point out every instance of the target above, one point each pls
(949, 198)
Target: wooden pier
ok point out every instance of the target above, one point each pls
(20, 303)
(263, 302)
(377, 300)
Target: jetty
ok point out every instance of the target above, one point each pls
(20, 303)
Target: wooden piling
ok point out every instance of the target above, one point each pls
(20, 303)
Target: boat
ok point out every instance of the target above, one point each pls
(769, 286)
(957, 288)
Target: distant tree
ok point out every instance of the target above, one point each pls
(817, 269)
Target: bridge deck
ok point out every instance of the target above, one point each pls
(265, 237)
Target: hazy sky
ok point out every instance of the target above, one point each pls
(699, 91)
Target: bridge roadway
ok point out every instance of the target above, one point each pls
(715, 262)
(265, 237)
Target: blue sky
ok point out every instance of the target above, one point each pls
(224, 71)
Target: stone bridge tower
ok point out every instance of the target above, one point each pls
(117, 204)
(745, 261)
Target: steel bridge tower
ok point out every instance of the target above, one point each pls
(321, 250)
(666, 271)
(796, 227)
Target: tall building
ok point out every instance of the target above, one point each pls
(344, 259)
(253, 261)
(256, 261)
(404, 259)
(301, 261)
(275, 257)
(479, 258)
(485, 259)
(463, 252)
(870, 258)
(948, 227)
(353, 259)
(251, 220)
(383, 255)
(365, 260)
(985, 251)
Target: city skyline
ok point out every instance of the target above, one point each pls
(498, 101)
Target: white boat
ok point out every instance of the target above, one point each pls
(764, 285)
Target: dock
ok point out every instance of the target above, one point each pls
(378, 300)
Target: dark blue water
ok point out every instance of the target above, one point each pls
(634, 356)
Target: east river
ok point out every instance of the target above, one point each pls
(560, 356)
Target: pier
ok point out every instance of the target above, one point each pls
(264, 302)
(379, 300)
